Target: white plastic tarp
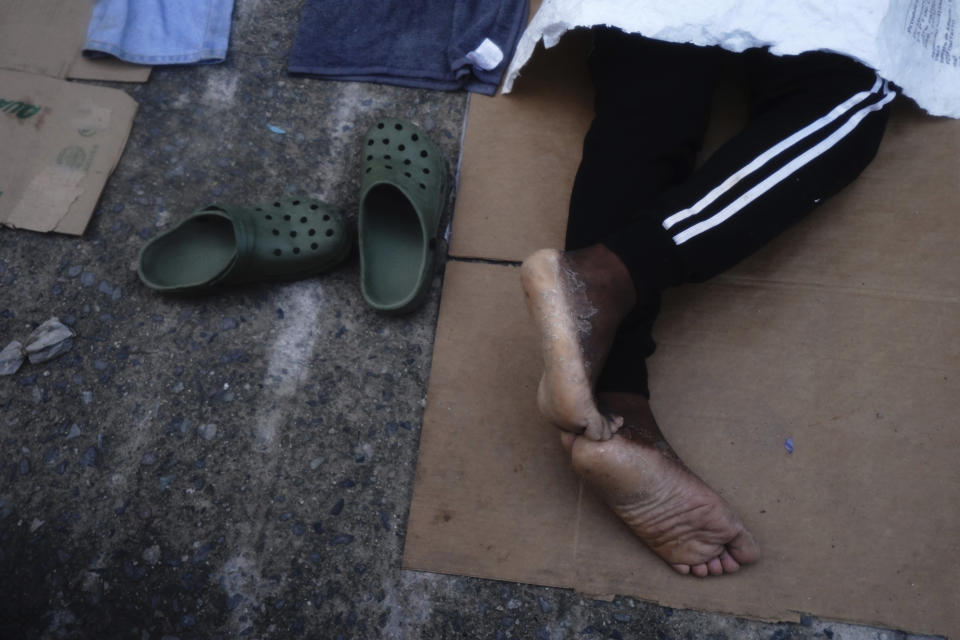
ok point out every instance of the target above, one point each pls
(913, 43)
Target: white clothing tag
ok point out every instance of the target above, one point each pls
(487, 56)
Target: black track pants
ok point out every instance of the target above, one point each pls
(815, 121)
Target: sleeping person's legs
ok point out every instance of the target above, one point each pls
(641, 224)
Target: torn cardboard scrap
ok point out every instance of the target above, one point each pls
(47, 36)
(61, 142)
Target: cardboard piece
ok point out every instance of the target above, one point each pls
(538, 129)
(842, 334)
(62, 141)
(46, 37)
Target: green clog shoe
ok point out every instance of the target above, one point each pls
(402, 194)
(219, 245)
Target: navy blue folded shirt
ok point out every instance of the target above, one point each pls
(431, 44)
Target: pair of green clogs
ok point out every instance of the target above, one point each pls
(403, 190)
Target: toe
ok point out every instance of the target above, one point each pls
(566, 439)
(715, 567)
(615, 423)
(744, 548)
(601, 428)
(700, 570)
(730, 565)
(683, 569)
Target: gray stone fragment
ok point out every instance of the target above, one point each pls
(48, 341)
(151, 555)
(90, 457)
(208, 431)
(11, 358)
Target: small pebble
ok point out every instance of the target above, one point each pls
(90, 457)
(151, 555)
(337, 508)
(234, 601)
(343, 538)
(208, 431)
(202, 553)
(11, 358)
(73, 432)
(28, 381)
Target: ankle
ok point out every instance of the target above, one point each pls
(605, 276)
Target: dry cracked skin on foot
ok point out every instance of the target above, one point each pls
(633, 468)
(638, 475)
(574, 340)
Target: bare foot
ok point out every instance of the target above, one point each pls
(577, 300)
(678, 516)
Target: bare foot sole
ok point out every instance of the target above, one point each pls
(566, 319)
(678, 516)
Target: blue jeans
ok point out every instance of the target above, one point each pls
(160, 31)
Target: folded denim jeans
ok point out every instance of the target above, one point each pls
(158, 32)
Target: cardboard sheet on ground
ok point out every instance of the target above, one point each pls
(46, 37)
(61, 142)
(843, 334)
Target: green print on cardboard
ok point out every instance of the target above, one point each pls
(19, 108)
